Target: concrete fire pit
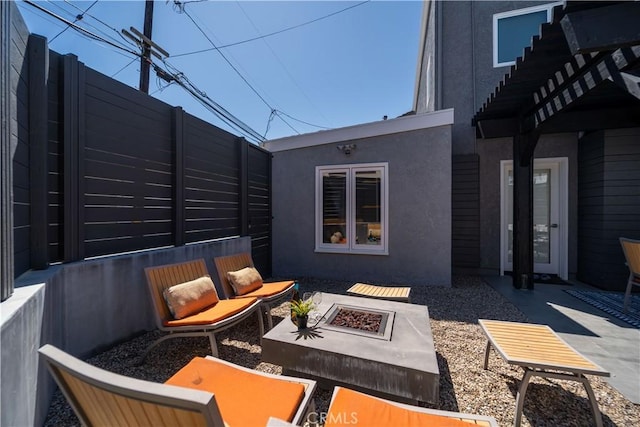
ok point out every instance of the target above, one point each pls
(391, 355)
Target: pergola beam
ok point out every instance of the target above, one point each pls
(608, 67)
(585, 33)
(627, 81)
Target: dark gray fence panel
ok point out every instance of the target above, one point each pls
(259, 206)
(7, 249)
(117, 162)
(608, 204)
(127, 169)
(38, 59)
(465, 211)
(55, 161)
(17, 141)
(211, 182)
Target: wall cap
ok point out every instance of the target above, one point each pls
(366, 130)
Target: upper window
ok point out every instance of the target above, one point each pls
(513, 30)
(352, 209)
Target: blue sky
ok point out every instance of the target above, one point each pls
(352, 67)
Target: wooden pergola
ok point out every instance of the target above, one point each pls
(581, 74)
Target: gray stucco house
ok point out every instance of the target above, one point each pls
(369, 203)
(481, 59)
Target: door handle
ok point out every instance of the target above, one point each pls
(554, 225)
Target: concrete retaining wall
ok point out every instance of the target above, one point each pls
(82, 308)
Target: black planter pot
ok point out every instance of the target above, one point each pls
(302, 322)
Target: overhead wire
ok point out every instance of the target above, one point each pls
(122, 69)
(284, 67)
(119, 33)
(301, 121)
(79, 28)
(176, 76)
(222, 113)
(236, 70)
(78, 18)
(268, 34)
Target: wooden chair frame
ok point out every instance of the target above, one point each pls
(225, 264)
(99, 397)
(162, 277)
(96, 396)
(631, 250)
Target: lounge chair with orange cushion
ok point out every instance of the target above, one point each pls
(631, 250)
(186, 303)
(205, 392)
(351, 408)
(240, 279)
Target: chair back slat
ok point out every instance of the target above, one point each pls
(162, 277)
(102, 398)
(631, 249)
(225, 264)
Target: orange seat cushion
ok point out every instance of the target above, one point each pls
(351, 408)
(268, 289)
(244, 398)
(219, 311)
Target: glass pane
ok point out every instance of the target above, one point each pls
(368, 207)
(541, 215)
(334, 207)
(515, 32)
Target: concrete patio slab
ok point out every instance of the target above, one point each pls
(403, 368)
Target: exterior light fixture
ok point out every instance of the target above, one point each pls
(346, 148)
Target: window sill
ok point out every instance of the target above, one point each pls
(348, 251)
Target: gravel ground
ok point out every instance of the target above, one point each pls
(459, 341)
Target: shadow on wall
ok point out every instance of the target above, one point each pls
(81, 308)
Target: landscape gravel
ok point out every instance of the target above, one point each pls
(464, 385)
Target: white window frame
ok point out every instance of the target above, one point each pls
(351, 247)
(498, 16)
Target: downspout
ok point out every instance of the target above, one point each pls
(473, 73)
(438, 71)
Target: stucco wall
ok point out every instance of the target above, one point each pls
(419, 210)
(462, 59)
(82, 308)
(491, 152)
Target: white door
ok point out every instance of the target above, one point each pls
(550, 225)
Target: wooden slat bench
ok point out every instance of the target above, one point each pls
(382, 292)
(540, 352)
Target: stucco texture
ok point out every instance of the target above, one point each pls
(419, 165)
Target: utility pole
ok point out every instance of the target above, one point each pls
(146, 49)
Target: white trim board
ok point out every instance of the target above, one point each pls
(366, 130)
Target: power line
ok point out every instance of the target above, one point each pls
(78, 18)
(212, 105)
(273, 52)
(236, 70)
(178, 77)
(79, 28)
(101, 22)
(121, 69)
(269, 34)
(301, 121)
(226, 59)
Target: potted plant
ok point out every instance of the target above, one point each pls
(301, 309)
